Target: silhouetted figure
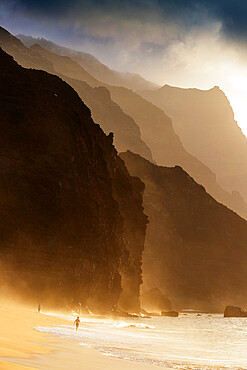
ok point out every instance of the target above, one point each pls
(77, 323)
(39, 308)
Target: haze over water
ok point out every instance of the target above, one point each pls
(188, 342)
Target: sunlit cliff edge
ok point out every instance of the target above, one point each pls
(204, 120)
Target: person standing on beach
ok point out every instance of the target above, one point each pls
(77, 323)
(39, 308)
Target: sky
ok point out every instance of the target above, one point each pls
(186, 43)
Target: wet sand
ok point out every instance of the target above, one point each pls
(22, 347)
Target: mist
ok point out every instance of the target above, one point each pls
(123, 197)
(187, 44)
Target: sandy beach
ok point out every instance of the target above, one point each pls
(23, 347)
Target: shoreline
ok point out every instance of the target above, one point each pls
(22, 347)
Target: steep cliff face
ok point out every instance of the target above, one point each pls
(196, 248)
(205, 123)
(128, 191)
(155, 129)
(67, 200)
(104, 111)
(111, 118)
(99, 70)
(167, 149)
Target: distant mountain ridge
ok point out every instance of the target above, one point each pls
(26, 57)
(204, 121)
(66, 66)
(99, 70)
(155, 126)
(167, 149)
(155, 130)
(104, 110)
(111, 117)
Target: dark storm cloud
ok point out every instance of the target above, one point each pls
(199, 43)
(81, 16)
(231, 13)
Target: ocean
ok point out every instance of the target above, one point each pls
(208, 341)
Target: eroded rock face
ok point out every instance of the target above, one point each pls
(66, 198)
(170, 313)
(104, 111)
(232, 311)
(195, 249)
(109, 115)
(204, 121)
(137, 124)
(157, 131)
(97, 97)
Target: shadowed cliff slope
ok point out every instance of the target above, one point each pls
(205, 123)
(196, 248)
(158, 133)
(104, 111)
(99, 70)
(72, 225)
(156, 129)
(154, 126)
(111, 118)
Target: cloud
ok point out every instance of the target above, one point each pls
(197, 43)
(144, 25)
(230, 13)
(128, 19)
